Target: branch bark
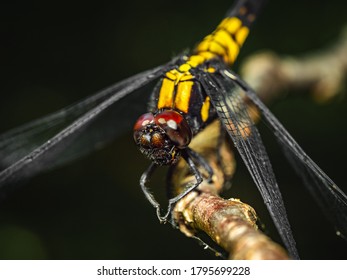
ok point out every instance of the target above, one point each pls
(232, 223)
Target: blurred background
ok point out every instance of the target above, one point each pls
(54, 53)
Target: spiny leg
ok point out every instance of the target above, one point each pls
(187, 156)
(200, 161)
(143, 181)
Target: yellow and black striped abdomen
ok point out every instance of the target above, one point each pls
(226, 41)
(179, 89)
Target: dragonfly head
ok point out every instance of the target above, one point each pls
(162, 136)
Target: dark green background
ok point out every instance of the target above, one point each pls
(54, 53)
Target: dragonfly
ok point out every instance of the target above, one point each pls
(205, 75)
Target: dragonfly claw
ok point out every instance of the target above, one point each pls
(163, 219)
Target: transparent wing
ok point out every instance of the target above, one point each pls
(74, 131)
(330, 198)
(228, 100)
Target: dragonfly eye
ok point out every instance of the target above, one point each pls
(154, 142)
(141, 124)
(175, 127)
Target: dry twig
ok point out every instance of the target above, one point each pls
(320, 72)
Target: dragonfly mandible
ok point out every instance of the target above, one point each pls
(227, 94)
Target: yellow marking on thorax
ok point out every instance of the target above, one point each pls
(176, 88)
(166, 94)
(183, 95)
(205, 109)
(184, 67)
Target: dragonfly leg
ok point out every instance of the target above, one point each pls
(188, 155)
(143, 181)
(172, 201)
(200, 161)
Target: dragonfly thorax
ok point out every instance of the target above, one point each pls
(162, 136)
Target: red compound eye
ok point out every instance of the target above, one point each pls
(141, 122)
(175, 127)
